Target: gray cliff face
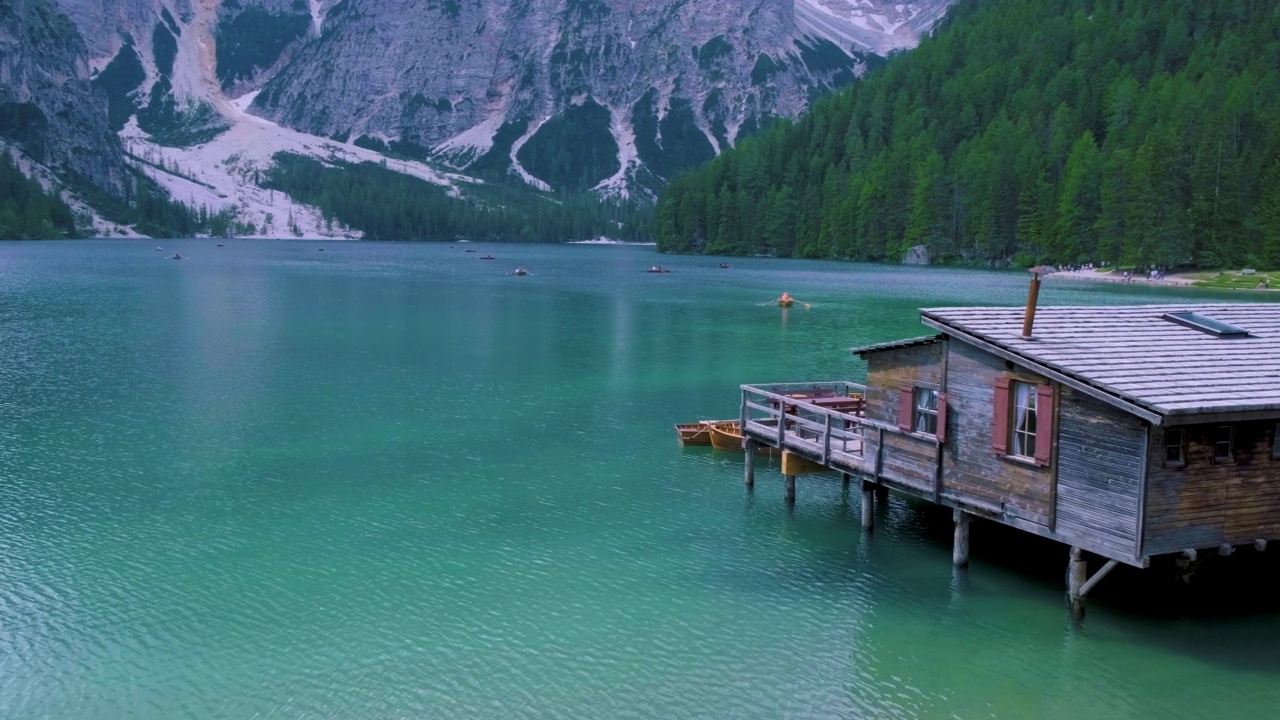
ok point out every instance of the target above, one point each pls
(609, 96)
(474, 80)
(48, 107)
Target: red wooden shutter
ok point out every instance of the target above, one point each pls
(942, 417)
(1000, 417)
(906, 408)
(1044, 424)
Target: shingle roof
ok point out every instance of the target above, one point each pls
(896, 344)
(1134, 354)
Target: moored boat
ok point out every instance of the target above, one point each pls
(487, 257)
(520, 271)
(698, 433)
(786, 303)
(726, 435)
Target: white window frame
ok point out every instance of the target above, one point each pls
(924, 418)
(1019, 437)
(1230, 441)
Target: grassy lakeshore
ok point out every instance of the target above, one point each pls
(1213, 279)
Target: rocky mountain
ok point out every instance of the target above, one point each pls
(49, 111)
(608, 96)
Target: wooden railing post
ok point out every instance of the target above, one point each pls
(826, 441)
(782, 421)
(742, 413)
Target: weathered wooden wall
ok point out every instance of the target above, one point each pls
(1205, 504)
(1099, 473)
(970, 466)
(1091, 494)
(906, 459)
(890, 370)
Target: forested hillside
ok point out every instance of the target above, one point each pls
(27, 212)
(1139, 132)
(387, 205)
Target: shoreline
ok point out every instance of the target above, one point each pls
(607, 241)
(1174, 280)
(1178, 280)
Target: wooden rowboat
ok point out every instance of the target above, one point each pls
(726, 435)
(693, 433)
(786, 303)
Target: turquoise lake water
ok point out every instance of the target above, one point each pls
(393, 481)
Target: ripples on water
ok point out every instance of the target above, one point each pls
(392, 481)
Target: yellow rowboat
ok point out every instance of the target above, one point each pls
(726, 435)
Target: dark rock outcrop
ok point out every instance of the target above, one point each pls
(48, 107)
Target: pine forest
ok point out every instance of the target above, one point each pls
(1132, 132)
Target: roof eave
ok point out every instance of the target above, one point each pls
(1221, 413)
(896, 344)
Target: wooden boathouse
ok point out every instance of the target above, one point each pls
(1124, 433)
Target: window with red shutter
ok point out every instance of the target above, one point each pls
(906, 408)
(1044, 424)
(1000, 417)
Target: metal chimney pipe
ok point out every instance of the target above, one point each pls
(1033, 294)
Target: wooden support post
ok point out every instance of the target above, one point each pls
(960, 548)
(882, 493)
(749, 464)
(844, 481)
(1186, 565)
(791, 489)
(1077, 573)
(868, 507)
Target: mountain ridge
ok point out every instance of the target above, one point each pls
(464, 91)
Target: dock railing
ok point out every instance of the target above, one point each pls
(823, 420)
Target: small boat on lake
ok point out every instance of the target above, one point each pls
(786, 303)
(726, 435)
(468, 251)
(656, 269)
(520, 271)
(723, 266)
(487, 257)
(698, 433)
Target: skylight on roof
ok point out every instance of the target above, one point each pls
(1205, 324)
